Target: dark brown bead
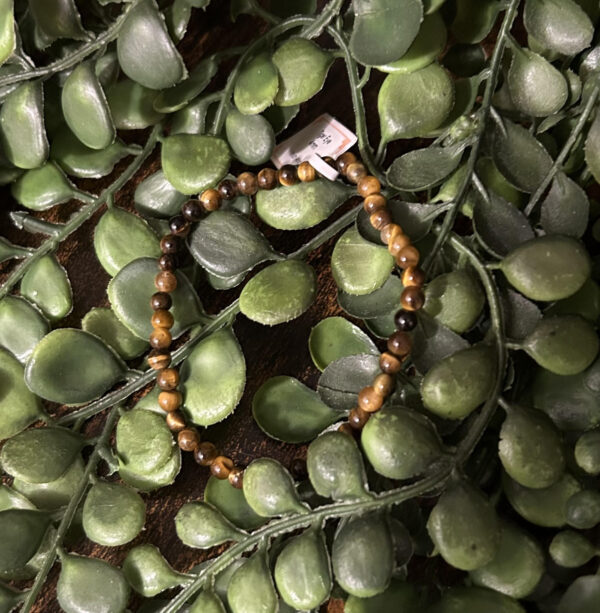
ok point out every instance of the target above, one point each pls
(399, 344)
(210, 199)
(413, 277)
(167, 261)
(346, 428)
(205, 453)
(170, 401)
(221, 467)
(160, 300)
(330, 161)
(355, 172)
(188, 439)
(267, 178)
(175, 421)
(160, 338)
(383, 384)
(247, 184)
(368, 185)
(369, 400)
(168, 379)
(159, 359)
(374, 202)
(344, 161)
(227, 189)
(357, 418)
(408, 257)
(162, 319)
(380, 218)
(398, 242)
(389, 232)
(306, 173)
(192, 210)
(389, 363)
(412, 298)
(405, 320)
(165, 281)
(287, 175)
(170, 243)
(236, 477)
(298, 469)
(179, 225)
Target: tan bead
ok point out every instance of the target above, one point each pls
(221, 467)
(412, 298)
(168, 379)
(165, 281)
(188, 439)
(399, 242)
(236, 478)
(162, 319)
(344, 161)
(306, 173)
(357, 418)
(368, 185)
(210, 199)
(408, 257)
(389, 232)
(159, 359)
(247, 184)
(205, 453)
(175, 421)
(400, 344)
(267, 178)
(383, 384)
(355, 172)
(373, 203)
(369, 400)
(170, 400)
(380, 218)
(160, 338)
(413, 276)
(389, 363)
(287, 175)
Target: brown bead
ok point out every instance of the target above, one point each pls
(162, 319)
(398, 242)
(306, 173)
(170, 243)
(330, 161)
(236, 478)
(400, 343)
(298, 469)
(380, 218)
(287, 175)
(221, 467)
(160, 338)
(405, 320)
(374, 202)
(412, 298)
(168, 379)
(344, 161)
(192, 210)
(388, 232)
(167, 261)
(408, 257)
(413, 277)
(369, 400)
(170, 401)
(358, 418)
(160, 300)
(247, 184)
(179, 225)
(346, 428)
(188, 439)
(227, 189)
(368, 185)
(175, 421)
(205, 453)
(267, 178)
(210, 199)
(159, 359)
(389, 363)
(383, 384)
(355, 172)
(165, 281)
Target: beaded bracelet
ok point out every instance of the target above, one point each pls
(370, 398)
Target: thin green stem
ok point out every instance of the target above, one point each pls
(259, 11)
(51, 244)
(320, 23)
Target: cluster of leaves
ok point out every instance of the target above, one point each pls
(496, 413)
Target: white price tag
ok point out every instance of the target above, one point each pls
(325, 136)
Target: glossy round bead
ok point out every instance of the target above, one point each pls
(405, 320)
(162, 319)
(167, 261)
(389, 232)
(188, 439)
(368, 185)
(160, 300)
(373, 203)
(221, 467)
(346, 428)
(170, 401)
(210, 199)
(287, 175)
(168, 379)
(369, 400)
(247, 184)
(412, 298)
(398, 242)
(170, 243)
(357, 418)
(380, 218)
(389, 363)
(179, 225)
(192, 210)
(344, 161)
(383, 384)
(408, 257)
(355, 172)
(306, 173)
(330, 161)
(298, 469)
(267, 178)
(160, 338)
(227, 189)
(413, 276)
(205, 453)
(175, 421)
(236, 478)
(159, 359)
(399, 344)
(165, 281)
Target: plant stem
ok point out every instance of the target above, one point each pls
(259, 11)
(319, 23)
(51, 244)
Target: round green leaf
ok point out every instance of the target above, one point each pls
(7, 30)
(72, 367)
(57, 19)
(587, 452)
(201, 526)
(279, 293)
(380, 302)
(581, 596)
(42, 188)
(156, 197)
(154, 479)
(256, 86)
(555, 217)
(399, 596)
(232, 504)
(207, 602)
(458, 599)
(251, 587)
(474, 19)
(132, 105)
(22, 326)
(592, 148)
(280, 117)
(583, 509)
(21, 531)
(148, 572)
(250, 137)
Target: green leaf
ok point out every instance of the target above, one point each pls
(476, 598)
(11, 499)
(399, 596)
(129, 293)
(566, 208)
(7, 30)
(571, 549)
(384, 30)
(286, 410)
(201, 526)
(57, 19)
(132, 105)
(251, 587)
(42, 188)
(302, 67)
(192, 163)
(256, 86)
(231, 502)
(156, 197)
(380, 302)
(71, 367)
(293, 7)
(280, 117)
(18, 406)
(474, 20)
(302, 205)
(21, 531)
(148, 572)
(122, 237)
(22, 130)
(359, 267)
(464, 60)
(160, 65)
(592, 148)
(207, 602)
(10, 598)
(581, 596)
(22, 326)
(279, 293)
(414, 104)
(250, 137)
(148, 481)
(47, 285)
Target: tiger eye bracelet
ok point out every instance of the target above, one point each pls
(399, 344)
